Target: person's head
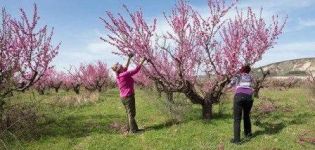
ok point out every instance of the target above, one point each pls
(245, 69)
(118, 68)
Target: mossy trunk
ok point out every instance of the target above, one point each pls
(207, 110)
(195, 98)
(76, 89)
(41, 91)
(2, 124)
(256, 93)
(170, 101)
(99, 89)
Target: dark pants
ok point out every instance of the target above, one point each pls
(242, 104)
(130, 106)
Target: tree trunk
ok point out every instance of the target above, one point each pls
(2, 124)
(159, 94)
(170, 97)
(56, 89)
(76, 90)
(99, 89)
(41, 92)
(10, 94)
(207, 110)
(192, 95)
(195, 98)
(256, 93)
(170, 101)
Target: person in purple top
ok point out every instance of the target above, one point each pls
(125, 84)
(243, 102)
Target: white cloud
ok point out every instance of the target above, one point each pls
(304, 23)
(287, 51)
(93, 51)
(96, 49)
(296, 46)
(279, 4)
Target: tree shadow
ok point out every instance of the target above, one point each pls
(77, 126)
(269, 128)
(222, 116)
(277, 124)
(166, 124)
(196, 115)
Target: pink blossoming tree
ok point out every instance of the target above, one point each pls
(73, 80)
(94, 76)
(43, 83)
(142, 80)
(56, 79)
(26, 51)
(195, 45)
(67, 82)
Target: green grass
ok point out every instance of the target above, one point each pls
(88, 126)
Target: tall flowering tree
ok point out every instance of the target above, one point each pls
(67, 82)
(43, 83)
(228, 44)
(56, 79)
(9, 56)
(51, 79)
(94, 76)
(213, 45)
(73, 80)
(26, 52)
(143, 80)
(260, 81)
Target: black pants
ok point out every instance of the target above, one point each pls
(130, 106)
(242, 104)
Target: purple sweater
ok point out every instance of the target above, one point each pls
(243, 83)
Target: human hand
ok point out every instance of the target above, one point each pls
(130, 55)
(142, 60)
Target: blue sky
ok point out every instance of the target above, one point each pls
(78, 27)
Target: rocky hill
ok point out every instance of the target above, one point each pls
(295, 67)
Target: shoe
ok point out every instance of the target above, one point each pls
(136, 131)
(235, 141)
(132, 132)
(140, 130)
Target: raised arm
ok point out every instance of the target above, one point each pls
(134, 71)
(129, 59)
(142, 61)
(233, 82)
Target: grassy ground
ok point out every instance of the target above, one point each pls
(92, 125)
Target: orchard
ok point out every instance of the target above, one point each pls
(191, 75)
(195, 44)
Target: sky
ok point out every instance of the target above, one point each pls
(78, 27)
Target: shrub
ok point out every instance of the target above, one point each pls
(22, 120)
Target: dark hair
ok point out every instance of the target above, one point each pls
(245, 69)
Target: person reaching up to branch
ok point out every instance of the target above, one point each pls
(125, 84)
(243, 102)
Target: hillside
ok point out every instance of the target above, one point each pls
(296, 67)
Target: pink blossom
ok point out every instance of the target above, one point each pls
(194, 45)
(26, 51)
(94, 76)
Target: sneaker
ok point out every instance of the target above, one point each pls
(136, 131)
